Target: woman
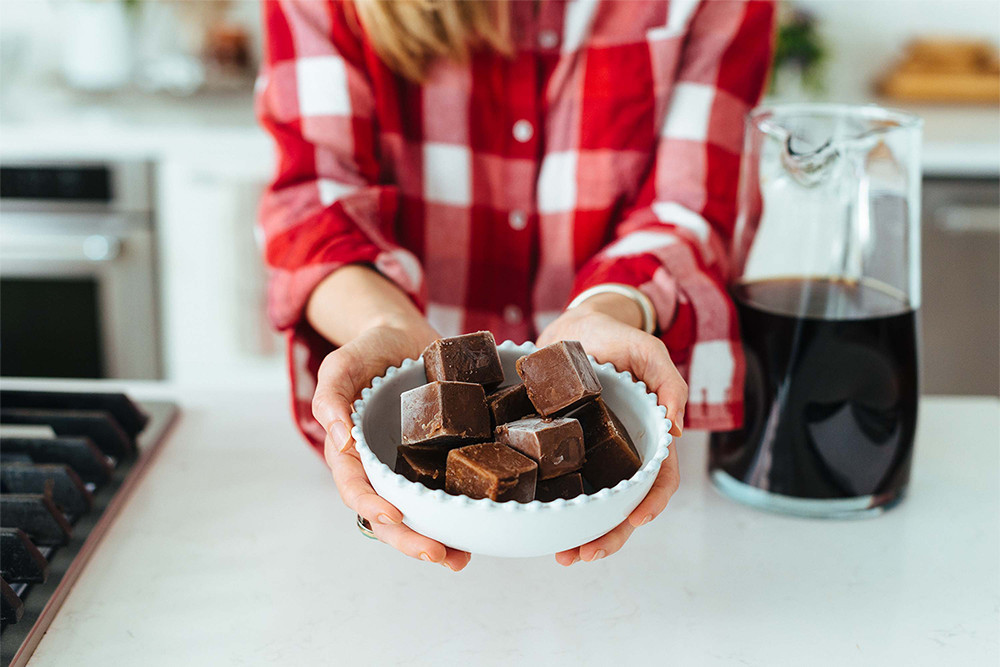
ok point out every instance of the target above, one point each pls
(449, 166)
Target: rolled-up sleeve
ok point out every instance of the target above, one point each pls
(672, 242)
(326, 206)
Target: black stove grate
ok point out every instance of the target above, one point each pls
(68, 462)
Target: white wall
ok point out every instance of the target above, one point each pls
(864, 37)
(34, 29)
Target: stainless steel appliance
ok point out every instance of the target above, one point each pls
(68, 463)
(78, 271)
(961, 308)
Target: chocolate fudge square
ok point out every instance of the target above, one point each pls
(469, 358)
(424, 464)
(609, 463)
(567, 487)
(509, 404)
(611, 455)
(443, 413)
(558, 378)
(491, 470)
(555, 444)
(599, 423)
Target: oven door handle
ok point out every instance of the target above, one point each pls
(971, 218)
(96, 248)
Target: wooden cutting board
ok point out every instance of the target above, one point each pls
(944, 70)
(943, 87)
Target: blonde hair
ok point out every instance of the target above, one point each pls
(409, 35)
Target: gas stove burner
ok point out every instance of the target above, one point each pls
(68, 462)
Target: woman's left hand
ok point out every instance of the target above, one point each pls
(609, 339)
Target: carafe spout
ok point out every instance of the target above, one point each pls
(809, 166)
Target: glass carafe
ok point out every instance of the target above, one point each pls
(826, 281)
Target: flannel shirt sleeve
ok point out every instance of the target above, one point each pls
(672, 241)
(326, 206)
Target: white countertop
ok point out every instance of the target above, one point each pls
(52, 122)
(235, 550)
(960, 141)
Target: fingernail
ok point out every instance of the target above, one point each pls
(386, 519)
(647, 519)
(599, 554)
(575, 560)
(449, 566)
(340, 435)
(425, 556)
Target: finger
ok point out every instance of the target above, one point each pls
(339, 430)
(664, 487)
(677, 425)
(410, 542)
(673, 394)
(651, 362)
(336, 388)
(376, 509)
(330, 452)
(357, 492)
(568, 557)
(457, 560)
(546, 337)
(607, 544)
(332, 386)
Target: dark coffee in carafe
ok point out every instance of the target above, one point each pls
(830, 394)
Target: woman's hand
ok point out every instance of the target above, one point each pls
(342, 376)
(602, 325)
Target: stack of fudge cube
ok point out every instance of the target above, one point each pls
(548, 436)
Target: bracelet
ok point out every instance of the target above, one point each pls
(640, 299)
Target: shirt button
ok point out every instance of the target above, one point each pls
(548, 39)
(523, 131)
(512, 314)
(518, 220)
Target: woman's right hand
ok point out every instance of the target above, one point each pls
(342, 376)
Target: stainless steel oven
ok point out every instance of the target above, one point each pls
(78, 271)
(961, 286)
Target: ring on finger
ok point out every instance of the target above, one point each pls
(366, 528)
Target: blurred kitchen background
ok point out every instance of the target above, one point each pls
(131, 165)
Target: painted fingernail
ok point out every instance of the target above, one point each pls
(647, 519)
(386, 519)
(340, 435)
(425, 556)
(599, 554)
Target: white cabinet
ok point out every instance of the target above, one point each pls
(213, 302)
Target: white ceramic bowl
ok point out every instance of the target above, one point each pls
(510, 528)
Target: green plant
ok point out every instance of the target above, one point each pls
(798, 44)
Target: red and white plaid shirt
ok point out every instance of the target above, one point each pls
(606, 150)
